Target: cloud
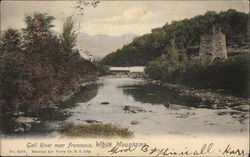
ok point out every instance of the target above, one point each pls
(135, 13)
(115, 17)
(131, 15)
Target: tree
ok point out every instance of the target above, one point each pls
(11, 41)
(186, 33)
(69, 35)
(171, 53)
(170, 61)
(38, 26)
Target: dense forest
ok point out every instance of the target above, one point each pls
(186, 34)
(39, 66)
(169, 53)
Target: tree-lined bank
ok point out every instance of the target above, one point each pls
(39, 67)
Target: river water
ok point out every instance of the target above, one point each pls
(158, 119)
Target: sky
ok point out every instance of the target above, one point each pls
(115, 17)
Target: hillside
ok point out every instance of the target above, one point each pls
(186, 35)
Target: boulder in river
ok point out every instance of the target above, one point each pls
(105, 103)
(133, 109)
(221, 113)
(134, 122)
(167, 105)
(182, 115)
(177, 107)
(93, 121)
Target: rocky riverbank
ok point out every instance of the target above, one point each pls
(206, 97)
(214, 99)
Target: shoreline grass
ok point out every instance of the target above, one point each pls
(95, 130)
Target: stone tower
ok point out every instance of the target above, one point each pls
(213, 47)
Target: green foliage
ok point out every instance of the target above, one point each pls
(163, 66)
(186, 34)
(11, 41)
(42, 71)
(94, 130)
(69, 34)
(230, 75)
(101, 68)
(38, 26)
(167, 52)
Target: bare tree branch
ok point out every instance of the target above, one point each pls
(81, 5)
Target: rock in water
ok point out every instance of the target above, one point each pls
(105, 103)
(93, 121)
(133, 109)
(177, 107)
(182, 116)
(167, 105)
(134, 122)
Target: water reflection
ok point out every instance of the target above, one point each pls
(85, 94)
(148, 93)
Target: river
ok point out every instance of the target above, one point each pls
(158, 119)
(179, 118)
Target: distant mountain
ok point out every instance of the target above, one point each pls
(100, 45)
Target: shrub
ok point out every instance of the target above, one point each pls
(94, 130)
(230, 75)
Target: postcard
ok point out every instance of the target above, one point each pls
(124, 78)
